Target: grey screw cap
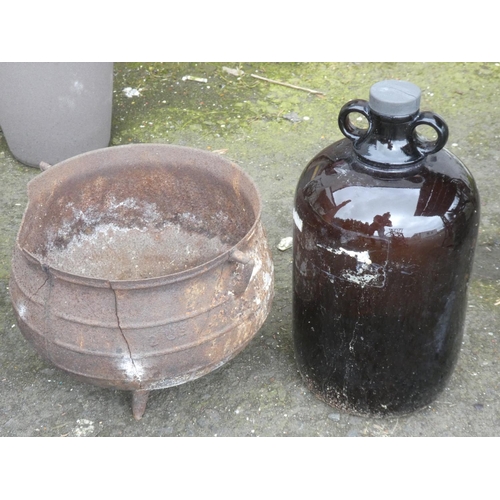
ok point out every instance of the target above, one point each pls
(394, 98)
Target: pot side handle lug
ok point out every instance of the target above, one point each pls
(242, 279)
(44, 166)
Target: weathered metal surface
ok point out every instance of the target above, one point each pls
(141, 267)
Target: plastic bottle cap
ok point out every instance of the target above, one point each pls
(394, 98)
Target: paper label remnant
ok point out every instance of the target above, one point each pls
(361, 257)
(366, 273)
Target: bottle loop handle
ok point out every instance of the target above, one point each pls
(410, 146)
(427, 118)
(345, 124)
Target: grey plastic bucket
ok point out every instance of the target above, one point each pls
(51, 111)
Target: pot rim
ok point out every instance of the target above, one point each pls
(156, 280)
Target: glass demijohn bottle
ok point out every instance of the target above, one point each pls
(385, 227)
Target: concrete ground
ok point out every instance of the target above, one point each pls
(271, 131)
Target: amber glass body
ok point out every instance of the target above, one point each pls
(382, 261)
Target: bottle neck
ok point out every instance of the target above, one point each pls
(389, 141)
(391, 144)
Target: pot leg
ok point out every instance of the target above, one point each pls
(139, 402)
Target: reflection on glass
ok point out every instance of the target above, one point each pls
(425, 209)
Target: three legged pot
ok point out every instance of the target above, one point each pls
(141, 267)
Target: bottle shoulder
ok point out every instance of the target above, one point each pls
(346, 193)
(341, 154)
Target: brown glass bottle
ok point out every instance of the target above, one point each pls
(385, 231)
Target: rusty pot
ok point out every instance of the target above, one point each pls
(141, 267)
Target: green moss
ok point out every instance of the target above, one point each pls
(228, 105)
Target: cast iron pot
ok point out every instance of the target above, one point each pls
(141, 267)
